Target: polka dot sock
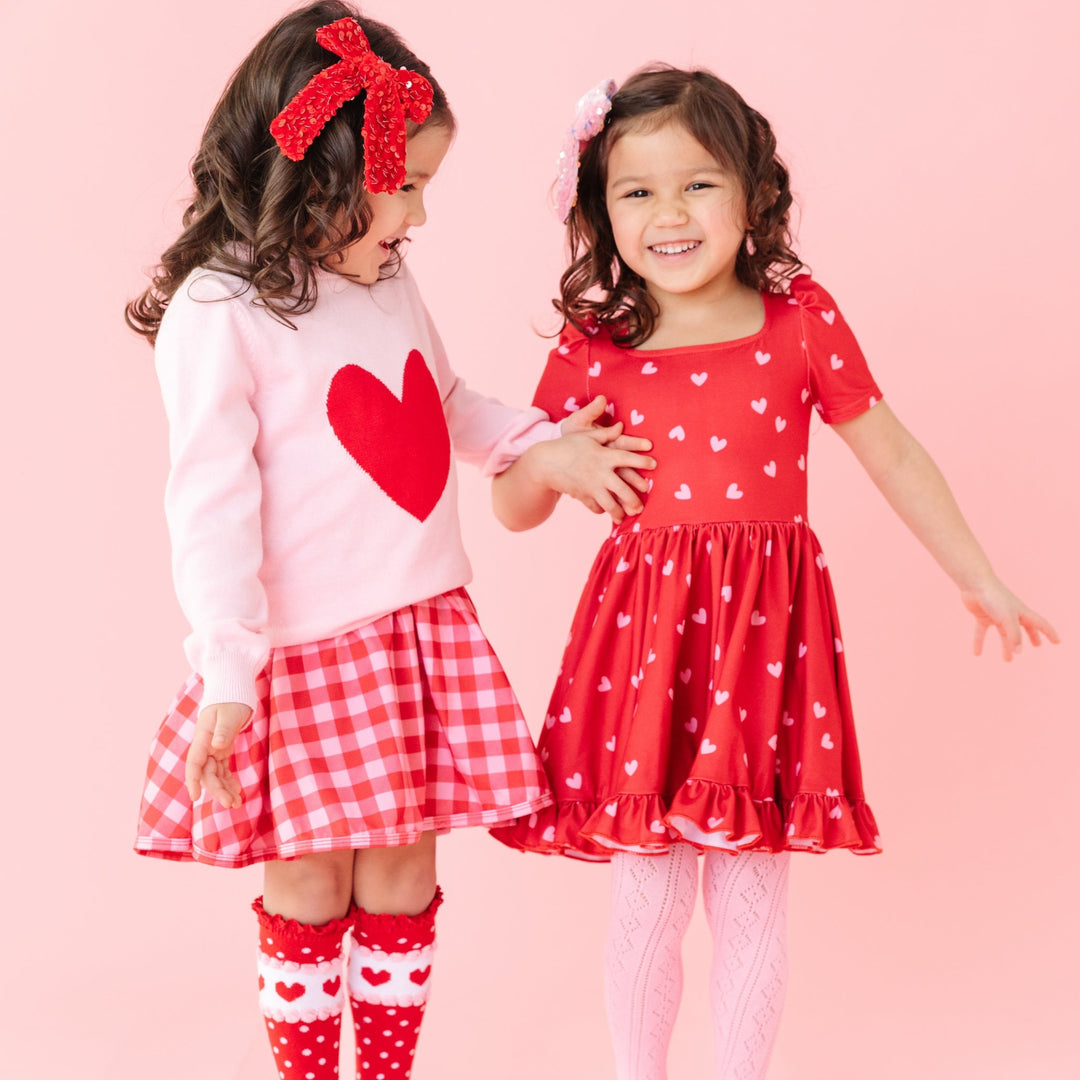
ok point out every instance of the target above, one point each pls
(301, 994)
(389, 978)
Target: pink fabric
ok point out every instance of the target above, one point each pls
(652, 899)
(746, 906)
(362, 740)
(286, 524)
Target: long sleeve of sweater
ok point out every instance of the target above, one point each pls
(213, 495)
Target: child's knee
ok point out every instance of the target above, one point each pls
(312, 889)
(399, 880)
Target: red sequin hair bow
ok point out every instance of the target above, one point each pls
(392, 94)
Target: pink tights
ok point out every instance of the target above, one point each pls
(652, 901)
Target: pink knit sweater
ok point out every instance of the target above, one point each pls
(312, 487)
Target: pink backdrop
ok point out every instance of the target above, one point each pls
(933, 150)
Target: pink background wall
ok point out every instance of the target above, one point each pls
(934, 154)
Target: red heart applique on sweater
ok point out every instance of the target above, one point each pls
(404, 446)
(420, 976)
(332, 986)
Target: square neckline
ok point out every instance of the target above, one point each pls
(767, 300)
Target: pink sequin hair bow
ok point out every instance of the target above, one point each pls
(592, 108)
(392, 95)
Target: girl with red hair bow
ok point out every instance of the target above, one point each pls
(344, 705)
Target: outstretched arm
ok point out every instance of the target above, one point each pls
(915, 488)
(596, 465)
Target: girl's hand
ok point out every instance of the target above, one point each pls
(597, 465)
(993, 604)
(211, 748)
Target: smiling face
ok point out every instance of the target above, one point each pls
(678, 217)
(394, 213)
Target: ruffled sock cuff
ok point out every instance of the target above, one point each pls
(392, 933)
(297, 942)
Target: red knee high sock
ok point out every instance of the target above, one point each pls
(301, 994)
(389, 977)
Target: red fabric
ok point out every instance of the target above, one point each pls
(386, 1038)
(367, 739)
(703, 693)
(404, 446)
(301, 994)
(397, 933)
(391, 96)
(389, 981)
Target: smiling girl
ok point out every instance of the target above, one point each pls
(702, 706)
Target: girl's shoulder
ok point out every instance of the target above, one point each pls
(202, 294)
(810, 295)
(574, 341)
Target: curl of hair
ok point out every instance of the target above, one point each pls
(256, 214)
(741, 141)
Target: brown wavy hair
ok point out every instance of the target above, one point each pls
(255, 213)
(741, 141)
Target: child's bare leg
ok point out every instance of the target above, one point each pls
(390, 964)
(311, 889)
(395, 880)
(303, 918)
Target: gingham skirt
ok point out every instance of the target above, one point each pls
(362, 740)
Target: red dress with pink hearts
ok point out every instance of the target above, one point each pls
(703, 693)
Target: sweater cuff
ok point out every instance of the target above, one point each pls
(229, 675)
(541, 429)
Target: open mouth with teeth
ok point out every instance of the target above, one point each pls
(680, 247)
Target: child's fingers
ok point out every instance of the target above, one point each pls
(634, 479)
(586, 416)
(1035, 624)
(627, 460)
(195, 762)
(228, 719)
(222, 784)
(981, 627)
(630, 442)
(609, 505)
(605, 436)
(626, 497)
(1009, 632)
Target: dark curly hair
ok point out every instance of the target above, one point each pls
(255, 213)
(737, 136)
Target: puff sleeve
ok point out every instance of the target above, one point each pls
(563, 387)
(840, 381)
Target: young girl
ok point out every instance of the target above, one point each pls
(703, 701)
(344, 705)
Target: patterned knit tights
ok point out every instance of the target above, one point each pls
(652, 901)
(746, 906)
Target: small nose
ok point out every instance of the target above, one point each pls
(416, 215)
(670, 210)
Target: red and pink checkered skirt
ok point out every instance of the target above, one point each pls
(362, 740)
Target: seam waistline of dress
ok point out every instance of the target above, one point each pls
(785, 522)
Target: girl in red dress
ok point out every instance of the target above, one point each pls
(702, 705)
